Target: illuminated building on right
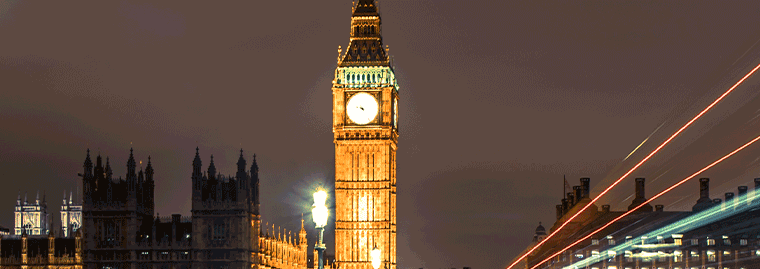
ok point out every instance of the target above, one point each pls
(716, 233)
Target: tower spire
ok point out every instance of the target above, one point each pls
(365, 8)
(366, 46)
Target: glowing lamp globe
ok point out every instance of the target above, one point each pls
(375, 258)
(320, 210)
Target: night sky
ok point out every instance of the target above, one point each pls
(499, 100)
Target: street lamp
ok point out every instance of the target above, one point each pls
(375, 258)
(319, 212)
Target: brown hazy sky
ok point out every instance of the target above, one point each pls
(499, 100)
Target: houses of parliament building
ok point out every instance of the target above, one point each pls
(120, 230)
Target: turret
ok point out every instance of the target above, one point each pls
(88, 185)
(109, 172)
(540, 233)
(212, 169)
(149, 189)
(255, 185)
(131, 174)
(98, 167)
(88, 166)
(197, 175)
(211, 184)
(241, 174)
(302, 236)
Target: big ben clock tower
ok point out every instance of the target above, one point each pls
(365, 128)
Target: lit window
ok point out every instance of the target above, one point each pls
(757, 252)
(726, 252)
(611, 255)
(610, 240)
(595, 253)
(694, 255)
(595, 242)
(611, 267)
(710, 242)
(710, 255)
(579, 256)
(694, 242)
(677, 256)
(743, 242)
(660, 240)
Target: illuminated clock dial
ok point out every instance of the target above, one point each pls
(362, 108)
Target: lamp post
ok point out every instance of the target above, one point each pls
(319, 212)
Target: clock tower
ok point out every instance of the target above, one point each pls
(365, 128)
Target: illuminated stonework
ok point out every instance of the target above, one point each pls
(365, 151)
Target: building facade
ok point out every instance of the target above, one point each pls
(40, 251)
(365, 128)
(71, 215)
(120, 229)
(31, 218)
(715, 234)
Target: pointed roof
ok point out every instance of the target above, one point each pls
(197, 160)
(241, 162)
(131, 161)
(212, 168)
(366, 46)
(365, 8)
(149, 168)
(87, 161)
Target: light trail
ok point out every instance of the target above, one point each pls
(733, 207)
(635, 167)
(647, 202)
(642, 143)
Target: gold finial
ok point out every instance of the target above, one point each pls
(340, 52)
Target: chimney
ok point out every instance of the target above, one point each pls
(606, 208)
(704, 187)
(729, 200)
(640, 198)
(742, 193)
(717, 202)
(578, 193)
(704, 201)
(570, 200)
(640, 188)
(565, 205)
(559, 212)
(585, 187)
(659, 208)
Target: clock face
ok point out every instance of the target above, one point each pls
(362, 108)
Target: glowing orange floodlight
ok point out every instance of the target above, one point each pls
(647, 202)
(635, 167)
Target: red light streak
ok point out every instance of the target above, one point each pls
(636, 166)
(648, 201)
